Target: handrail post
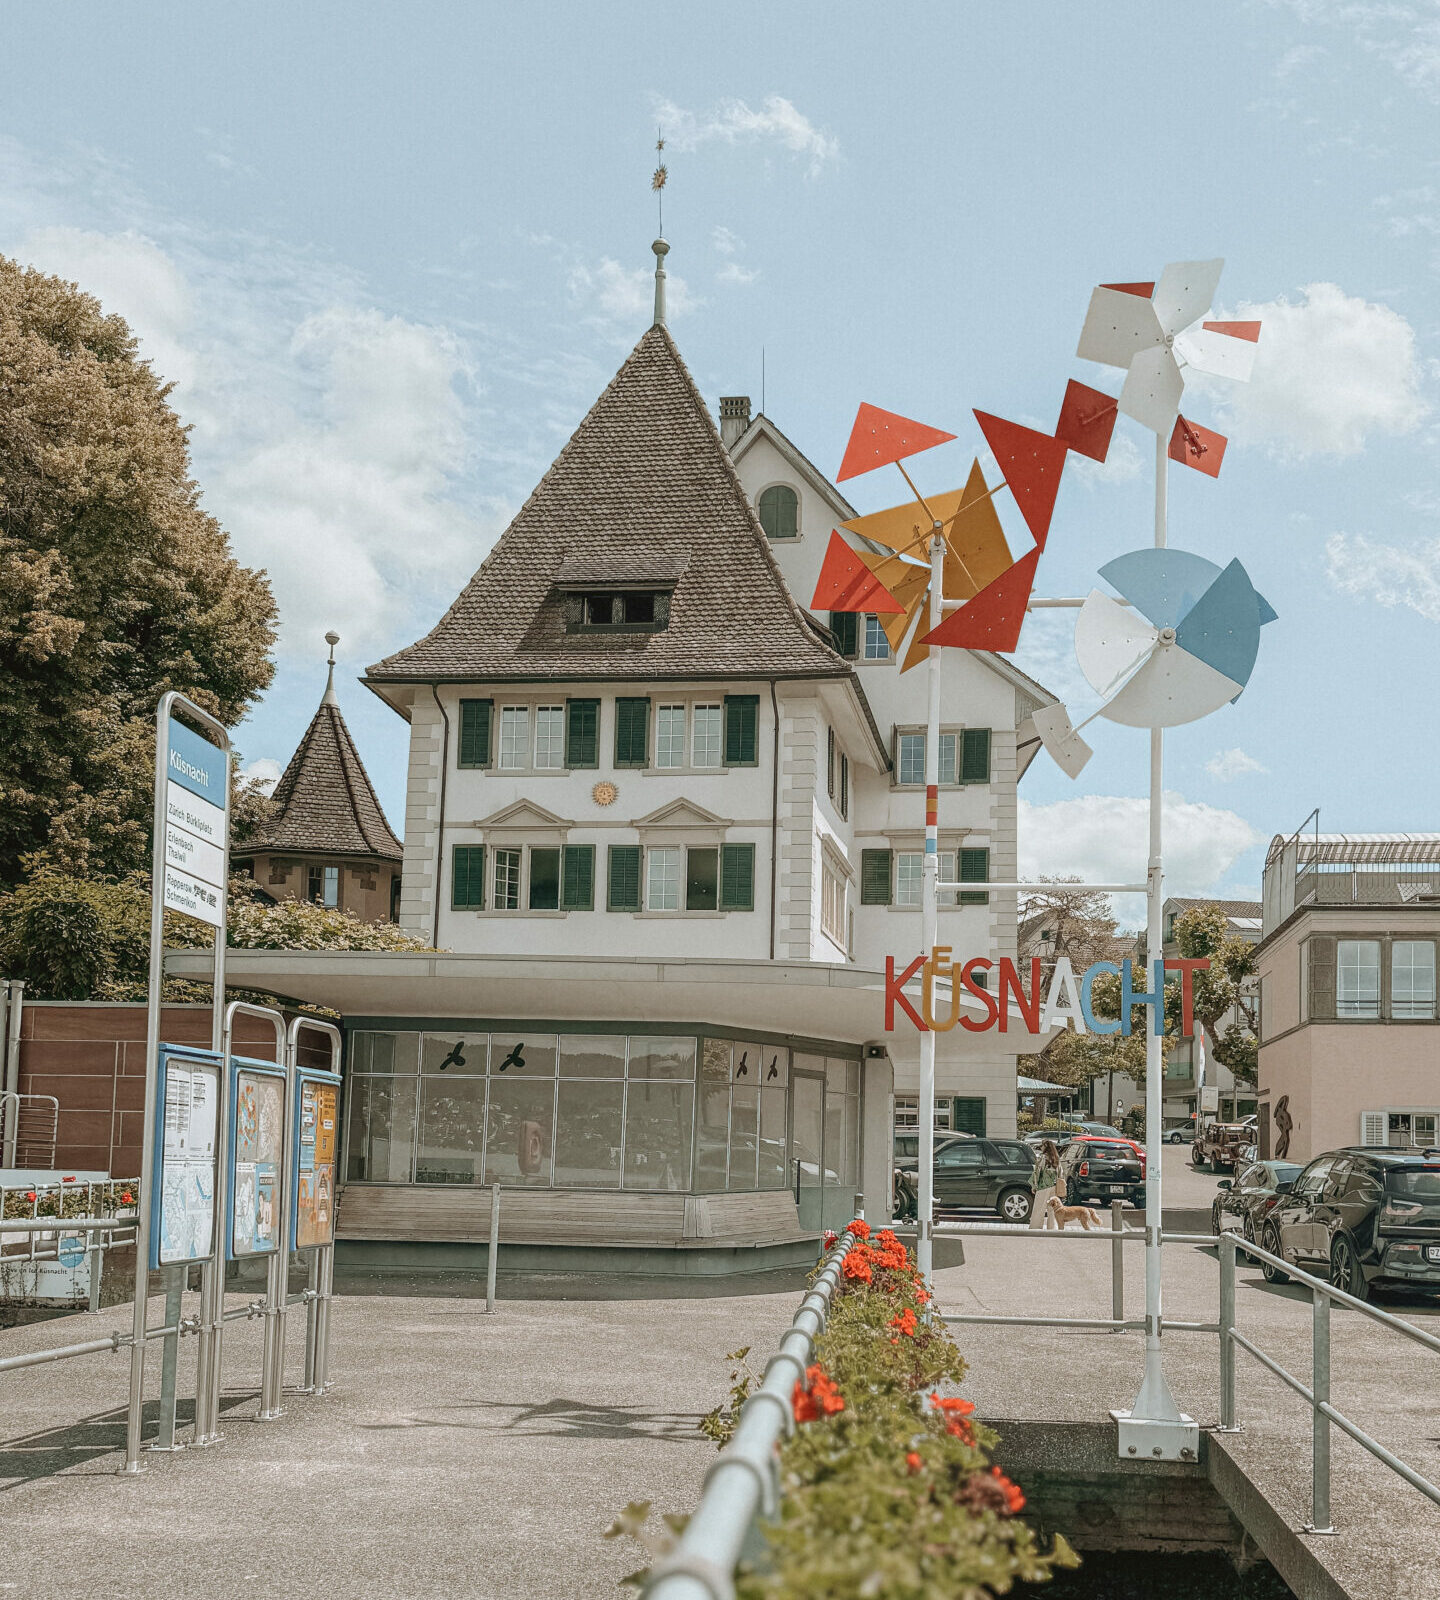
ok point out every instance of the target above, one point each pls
(1319, 1422)
(490, 1260)
(1227, 1330)
(1117, 1262)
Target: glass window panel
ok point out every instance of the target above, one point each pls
(519, 1128)
(587, 1135)
(909, 875)
(550, 736)
(598, 1055)
(702, 879)
(835, 1162)
(544, 879)
(768, 1064)
(330, 895)
(458, 1055)
(837, 1075)
(1357, 979)
(522, 1055)
(712, 1137)
(385, 1054)
(744, 1136)
(949, 772)
(910, 754)
(804, 1063)
(452, 1130)
(657, 1135)
(663, 878)
(515, 736)
(382, 1129)
(705, 736)
(660, 1057)
(507, 880)
(670, 736)
(715, 1061)
(877, 646)
(1412, 978)
(771, 1173)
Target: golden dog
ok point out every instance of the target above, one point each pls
(1058, 1215)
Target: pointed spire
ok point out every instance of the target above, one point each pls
(661, 250)
(328, 698)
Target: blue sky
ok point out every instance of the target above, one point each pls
(389, 255)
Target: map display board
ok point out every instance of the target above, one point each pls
(183, 1182)
(316, 1148)
(257, 1144)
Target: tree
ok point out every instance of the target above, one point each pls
(1205, 931)
(114, 584)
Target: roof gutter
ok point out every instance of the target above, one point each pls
(440, 823)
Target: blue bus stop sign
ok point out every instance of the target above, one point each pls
(71, 1250)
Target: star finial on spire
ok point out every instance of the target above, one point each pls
(658, 179)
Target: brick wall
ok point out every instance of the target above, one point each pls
(91, 1056)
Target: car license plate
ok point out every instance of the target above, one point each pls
(1432, 1252)
(1117, 1188)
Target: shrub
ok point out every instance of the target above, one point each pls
(888, 1485)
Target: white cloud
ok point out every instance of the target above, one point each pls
(725, 241)
(1121, 464)
(733, 272)
(1227, 765)
(265, 771)
(1389, 574)
(1103, 839)
(733, 121)
(1405, 37)
(627, 294)
(1331, 371)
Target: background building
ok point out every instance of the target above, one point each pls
(1349, 1040)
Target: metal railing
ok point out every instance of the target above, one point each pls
(28, 1127)
(744, 1481)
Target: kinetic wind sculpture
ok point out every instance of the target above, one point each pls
(1179, 642)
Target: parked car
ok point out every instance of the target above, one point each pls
(1218, 1145)
(973, 1174)
(1065, 1133)
(1241, 1206)
(1360, 1216)
(1097, 1171)
(1184, 1133)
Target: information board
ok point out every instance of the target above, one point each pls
(197, 799)
(257, 1143)
(316, 1145)
(183, 1191)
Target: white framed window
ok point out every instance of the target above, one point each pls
(907, 1113)
(662, 878)
(832, 904)
(909, 876)
(1357, 978)
(549, 737)
(877, 646)
(1412, 978)
(910, 758)
(949, 758)
(515, 737)
(670, 736)
(949, 873)
(506, 896)
(705, 728)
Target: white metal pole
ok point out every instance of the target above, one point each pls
(930, 918)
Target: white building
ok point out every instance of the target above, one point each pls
(652, 798)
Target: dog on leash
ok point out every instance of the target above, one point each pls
(1058, 1215)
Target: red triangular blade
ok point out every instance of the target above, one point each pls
(1032, 463)
(880, 437)
(1236, 330)
(1197, 447)
(1144, 290)
(1087, 419)
(847, 584)
(993, 619)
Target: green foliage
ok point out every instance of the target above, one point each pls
(115, 585)
(1205, 931)
(72, 1200)
(885, 1494)
(719, 1424)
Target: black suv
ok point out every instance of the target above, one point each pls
(973, 1175)
(1097, 1171)
(1360, 1216)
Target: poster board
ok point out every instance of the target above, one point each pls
(317, 1125)
(257, 1158)
(186, 1153)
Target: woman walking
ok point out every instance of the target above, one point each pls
(1044, 1181)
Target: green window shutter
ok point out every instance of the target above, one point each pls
(1321, 951)
(475, 732)
(582, 733)
(632, 733)
(467, 877)
(742, 730)
(975, 756)
(737, 877)
(968, 1115)
(577, 878)
(974, 868)
(844, 786)
(874, 877)
(830, 762)
(624, 889)
(544, 880)
(845, 625)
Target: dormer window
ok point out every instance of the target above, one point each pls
(633, 609)
(618, 594)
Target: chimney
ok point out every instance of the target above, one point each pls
(734, 417)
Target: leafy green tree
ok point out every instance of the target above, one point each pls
(1205, 931)
(115, 585)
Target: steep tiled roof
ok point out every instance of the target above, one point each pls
(643, 481)
(324, 804)
(1231, 908)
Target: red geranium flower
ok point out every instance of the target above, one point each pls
(957, 1414)
(912, 1461)
(1014, 1495)
(860, 1228)
(831, 1238)
(857, 1266)
(29, 1194)
(821, 1399)
(905, 1321)
(127, 1199)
